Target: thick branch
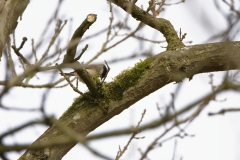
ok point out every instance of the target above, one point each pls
(134, 84)
(9, 15)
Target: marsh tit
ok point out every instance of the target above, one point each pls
(99, 70)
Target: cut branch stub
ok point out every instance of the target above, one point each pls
(72, 46)
(71, 52)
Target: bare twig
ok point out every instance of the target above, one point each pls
(104, 48)
(121, 152)
(80, 55)
(47, 85)
(174, 150)
(16, 50)
(223, 111)
(232, 7)
(74, 88)
(13, 131)
(34, 51)
(59, 27)
(18, 109)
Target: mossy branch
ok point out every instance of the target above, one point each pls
(134, 84)
(160, 24)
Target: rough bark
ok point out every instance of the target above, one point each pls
(10, 11)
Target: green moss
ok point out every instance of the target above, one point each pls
(89, 106)
(126, 79)
(113, 90)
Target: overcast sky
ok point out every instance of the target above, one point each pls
(215, 138)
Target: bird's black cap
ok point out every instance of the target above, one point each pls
(105, 70)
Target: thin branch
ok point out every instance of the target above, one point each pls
(223, 111)
(18, 109)
(34, 51)
(16, 50)
(117, 25)
(80, 55)
(104, 48)
(174, 150)
(59, 27)
(16, 129)
(79, 32)
(121, 152)
(74, 88)
(47, 85)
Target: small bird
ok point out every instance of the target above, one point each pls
(99, 70)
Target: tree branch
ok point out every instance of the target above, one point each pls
(160, 24)
(9, 15)
(134, 84)
(72, 48)
(71, 52)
